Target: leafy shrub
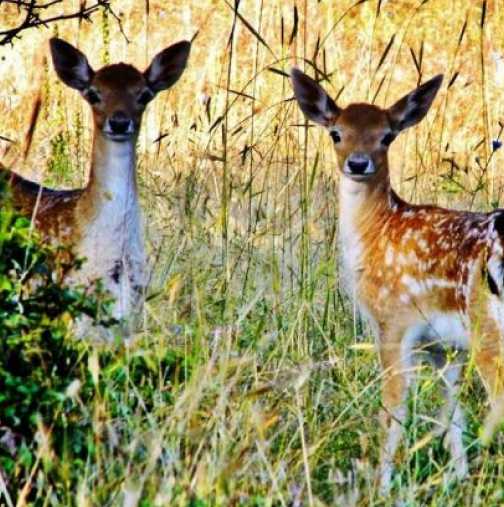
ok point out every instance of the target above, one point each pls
(41, 366)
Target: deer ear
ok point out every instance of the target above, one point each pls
(167, 66)
(71, 65)
(313, 99)
(413, 107)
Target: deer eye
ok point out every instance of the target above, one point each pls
(145, 97)
(92, 96)
(335, 136)
(388, 138)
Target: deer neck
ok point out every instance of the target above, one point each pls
(112, 187)
(364, 206)
(366, 201)
(110, 226)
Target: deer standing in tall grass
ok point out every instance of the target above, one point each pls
(102, 221)
(427, 278)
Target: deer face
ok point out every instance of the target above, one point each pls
(362, 133)
(118, 93)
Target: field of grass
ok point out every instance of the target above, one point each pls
(251, 380)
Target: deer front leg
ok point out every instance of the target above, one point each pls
(396, 365)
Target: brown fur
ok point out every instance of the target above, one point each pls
(102, 221)
(421, 274)
(52, 210)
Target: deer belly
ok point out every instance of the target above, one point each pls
(432, 337)
(446, 329)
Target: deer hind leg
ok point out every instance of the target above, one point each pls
(452, 417)
(487, 347)
(397, 369)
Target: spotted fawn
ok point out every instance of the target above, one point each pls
(426, 278)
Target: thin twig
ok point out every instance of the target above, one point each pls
(33, 19)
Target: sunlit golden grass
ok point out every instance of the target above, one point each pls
(280, 398)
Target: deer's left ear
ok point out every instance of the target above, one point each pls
(71, 64)
(167, 66)
(313, 100)
(413, 107)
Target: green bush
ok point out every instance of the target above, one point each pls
(39, 360)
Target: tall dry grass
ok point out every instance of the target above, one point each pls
(279, 399)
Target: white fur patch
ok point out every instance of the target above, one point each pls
(389, 256)
(448, 329)
(352, 194)
(496, 307)
(113, 240)
(418, 287)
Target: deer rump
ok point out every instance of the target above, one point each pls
(495, 257)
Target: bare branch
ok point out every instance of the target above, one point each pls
(33, 16)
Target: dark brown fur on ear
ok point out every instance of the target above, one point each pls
(313, 99)
(413, 107)
(167, 66)
(70, 64)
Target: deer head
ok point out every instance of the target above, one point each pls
(118, 93)
(362, 133)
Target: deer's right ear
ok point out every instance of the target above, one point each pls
(71, 64)
(313, 99)
(413, 107)
(167, 66)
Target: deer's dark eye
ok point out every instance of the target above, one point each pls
(92, 96)
(335, 136)
(388, 138)
(145, 97)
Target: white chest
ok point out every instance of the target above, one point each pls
(351, 248)
(114, 235)
(112, 239)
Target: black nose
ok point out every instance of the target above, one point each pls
(119, 123)
(358, 167)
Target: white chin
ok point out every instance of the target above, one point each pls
(118, 138)
(359, 177)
